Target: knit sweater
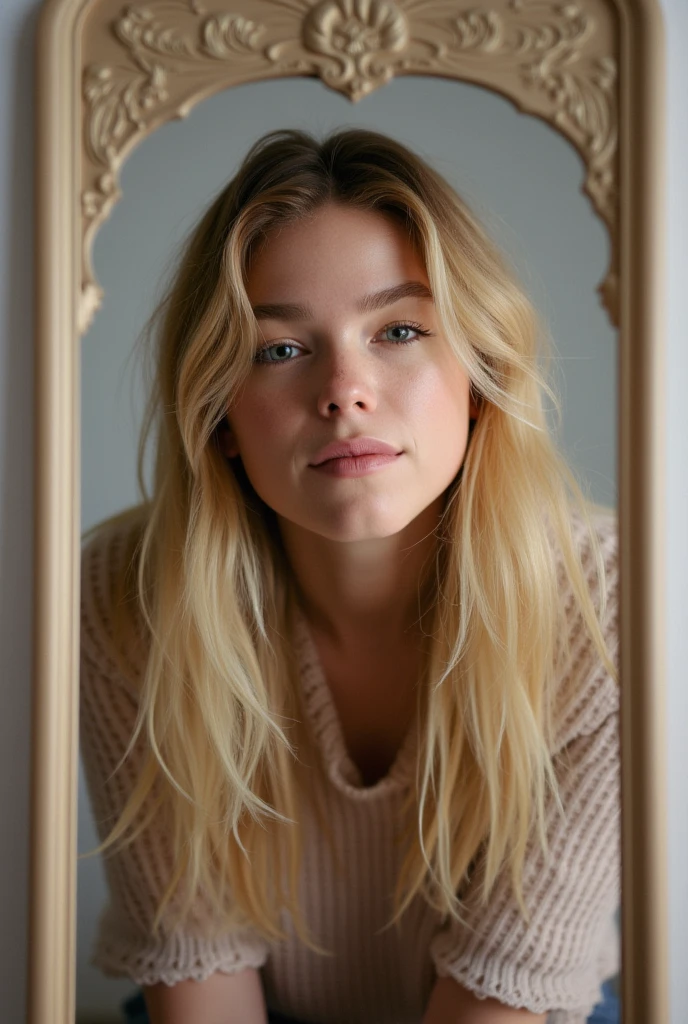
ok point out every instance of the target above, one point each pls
(556, 964)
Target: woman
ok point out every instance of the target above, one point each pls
(349, 707)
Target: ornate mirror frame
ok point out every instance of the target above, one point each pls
(109, 74)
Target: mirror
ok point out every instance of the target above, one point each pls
(520, 177)
(524, 179)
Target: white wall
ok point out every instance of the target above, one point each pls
(17, 22)
(676, 19)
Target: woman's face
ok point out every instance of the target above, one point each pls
(352, 353)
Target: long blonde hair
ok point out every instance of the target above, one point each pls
(219, 698)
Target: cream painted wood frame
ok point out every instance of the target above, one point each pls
(108, 74)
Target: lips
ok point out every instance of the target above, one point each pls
(354, 448)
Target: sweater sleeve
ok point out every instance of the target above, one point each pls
(558, 961)
(136, 875)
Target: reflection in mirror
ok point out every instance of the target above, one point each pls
(359, 650)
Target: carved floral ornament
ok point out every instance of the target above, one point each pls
(550, 58)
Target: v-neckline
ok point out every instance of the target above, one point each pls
(327, 726)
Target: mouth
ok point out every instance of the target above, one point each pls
(355, 448)
(356, 465)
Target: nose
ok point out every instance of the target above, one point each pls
(347, 383)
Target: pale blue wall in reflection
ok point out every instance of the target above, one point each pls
(521, 177)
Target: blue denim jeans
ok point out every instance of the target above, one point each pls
(609, 1010)
(606, 1012)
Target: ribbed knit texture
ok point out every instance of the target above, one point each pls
(556, 964)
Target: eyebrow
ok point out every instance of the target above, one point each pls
(369, 303)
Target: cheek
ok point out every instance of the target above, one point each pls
(259, 422)
(263, 427)
(437, 400)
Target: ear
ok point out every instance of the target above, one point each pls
(227, 440)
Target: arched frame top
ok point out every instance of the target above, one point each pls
(145, 63)
(109, 73)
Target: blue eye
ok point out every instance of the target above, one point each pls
(401, 332)
(281, 353)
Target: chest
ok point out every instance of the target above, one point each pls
(375, 701)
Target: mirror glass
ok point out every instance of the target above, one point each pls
(521, 178)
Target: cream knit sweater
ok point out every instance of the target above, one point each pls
(556, 965)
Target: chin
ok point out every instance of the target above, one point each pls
(352, 528)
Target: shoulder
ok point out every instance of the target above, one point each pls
(605, 531)
(112, 627)
(586, 692)
(603, 536)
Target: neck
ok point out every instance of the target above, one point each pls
(366, 592)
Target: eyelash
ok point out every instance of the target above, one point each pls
(415, 327)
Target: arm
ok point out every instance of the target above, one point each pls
(554, 961)
(451, 1003)
(558, 958)
(221, 999)
(126, 944)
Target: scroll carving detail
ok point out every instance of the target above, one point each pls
(355, 34)
(537, 52)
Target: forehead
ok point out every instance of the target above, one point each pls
(338, 250)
